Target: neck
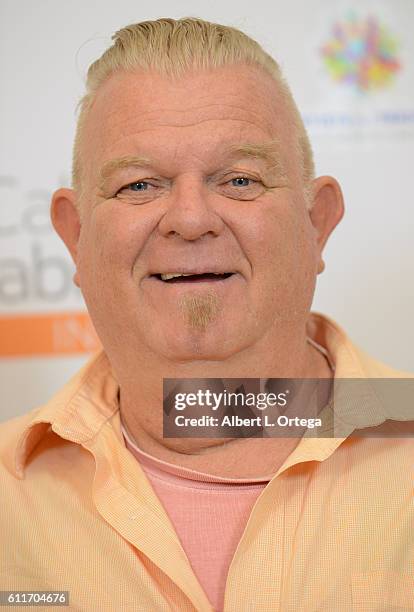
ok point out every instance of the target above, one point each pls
(231, 457)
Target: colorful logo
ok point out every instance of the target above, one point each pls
(362, 54)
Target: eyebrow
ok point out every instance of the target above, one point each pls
(268, 152)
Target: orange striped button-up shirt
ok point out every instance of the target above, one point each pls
(333, 531)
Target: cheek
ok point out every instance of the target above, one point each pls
(283, 256)
(281, 233)
(300, 265)
(113, 239)
(109, 247)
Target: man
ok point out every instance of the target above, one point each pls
(191, 158)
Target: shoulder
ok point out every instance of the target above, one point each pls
(10, 432)
(378, 369)
(351, 361)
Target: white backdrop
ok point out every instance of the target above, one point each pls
(365, 139)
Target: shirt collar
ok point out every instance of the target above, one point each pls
(76, 413)
(79, 410)
(358, 404)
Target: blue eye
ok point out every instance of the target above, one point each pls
(137, 186)
(236, 181)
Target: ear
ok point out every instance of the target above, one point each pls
(326, 211)
(66, 221)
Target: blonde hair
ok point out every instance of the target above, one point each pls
(174, 47)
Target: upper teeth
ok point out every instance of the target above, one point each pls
(168, 276)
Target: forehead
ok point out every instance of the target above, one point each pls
(185, 120)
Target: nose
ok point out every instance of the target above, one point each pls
(189, 213)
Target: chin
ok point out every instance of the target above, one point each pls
(199, 345)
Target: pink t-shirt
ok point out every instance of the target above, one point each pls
(209, 513)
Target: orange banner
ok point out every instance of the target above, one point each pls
(60, 333)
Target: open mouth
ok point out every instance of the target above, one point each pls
(192, 278)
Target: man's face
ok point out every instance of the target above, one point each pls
(193, 207)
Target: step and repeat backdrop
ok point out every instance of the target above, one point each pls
(351, 68)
